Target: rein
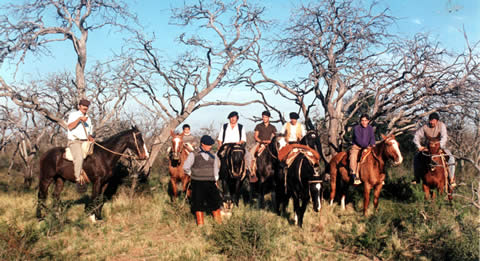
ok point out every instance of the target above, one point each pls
(118, 153)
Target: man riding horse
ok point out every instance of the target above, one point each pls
(263, 135)
(80, 130)
(434, 129)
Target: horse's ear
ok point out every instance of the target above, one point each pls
(172, 133)
(384, 137)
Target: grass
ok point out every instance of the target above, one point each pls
(145, 225)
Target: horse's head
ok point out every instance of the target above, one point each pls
(177, 145)
(236, 159)
(312, 140)
(137, 144)
(278, 141)
(434, 145)
(392, 149)
(315, 186)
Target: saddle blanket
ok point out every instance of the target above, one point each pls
(87, 149)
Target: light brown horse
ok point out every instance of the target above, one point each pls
(178, 154)
(371, 169)
(434, 170)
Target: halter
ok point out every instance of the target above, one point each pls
(230, 163)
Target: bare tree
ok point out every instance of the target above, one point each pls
(30, 27)
(172, 92)
(358, 66)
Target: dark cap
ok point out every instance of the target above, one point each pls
(434, 116)
(84, 102)
(232, 114)
(207, 140)
(294, 115)
(266, 113)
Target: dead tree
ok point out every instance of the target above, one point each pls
(171, 92)
(357, 66)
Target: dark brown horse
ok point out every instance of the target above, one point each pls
(371, 169)
(433, 170)
(98, 167)
(178, 154)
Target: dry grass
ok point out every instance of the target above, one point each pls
(147, 226)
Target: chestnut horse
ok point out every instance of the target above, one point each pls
(433, 170)
(97, 166)
(371, 169)
(178, 154)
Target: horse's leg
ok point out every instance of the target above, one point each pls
(376, 196)
(366, 197)
(426, 190)
(56, 193)
(238, 186)
(342, 201)
(296, 207)
(98, 209)
(186, 185)
(42, 195)
(173, 182)
(91, 208)
(333, 183)
(303, 208)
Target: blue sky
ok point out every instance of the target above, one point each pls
(443, 19)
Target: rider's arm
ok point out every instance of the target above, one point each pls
(257, 139)
(417, 139)
(216, 167)
(187, 165)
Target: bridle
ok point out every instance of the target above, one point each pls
(230, 162)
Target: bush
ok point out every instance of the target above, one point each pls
(249, 236)
(17, 243)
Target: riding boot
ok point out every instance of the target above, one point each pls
(217, 216)
(199, 215)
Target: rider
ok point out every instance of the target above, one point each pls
(434, 128)
(202, 166)
(188, 139)
(80, 130)
(264, 132)
(294, 130)
(363, 137)
(233, 132)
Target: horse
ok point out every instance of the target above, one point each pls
(232, 172)
(433, 170)
(301, 181)
(98, 167)
(178, 154)
(267, 170)
(312, 140)
(371, 169)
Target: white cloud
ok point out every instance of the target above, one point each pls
(417, 21)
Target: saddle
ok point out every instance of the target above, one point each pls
(87, 149)
(288, 154)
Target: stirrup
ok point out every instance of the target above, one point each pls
(357, 181)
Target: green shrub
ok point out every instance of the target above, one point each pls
(17, 243)
(249, 236)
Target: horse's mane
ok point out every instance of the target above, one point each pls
(115, 137)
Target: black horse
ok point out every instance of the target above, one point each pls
(268, 167)
(312, 140)
(301, 182)
(98, 167)
(232, 172)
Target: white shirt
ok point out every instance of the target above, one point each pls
(232, 135)
(78, 133)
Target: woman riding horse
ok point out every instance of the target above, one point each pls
(98, 168)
